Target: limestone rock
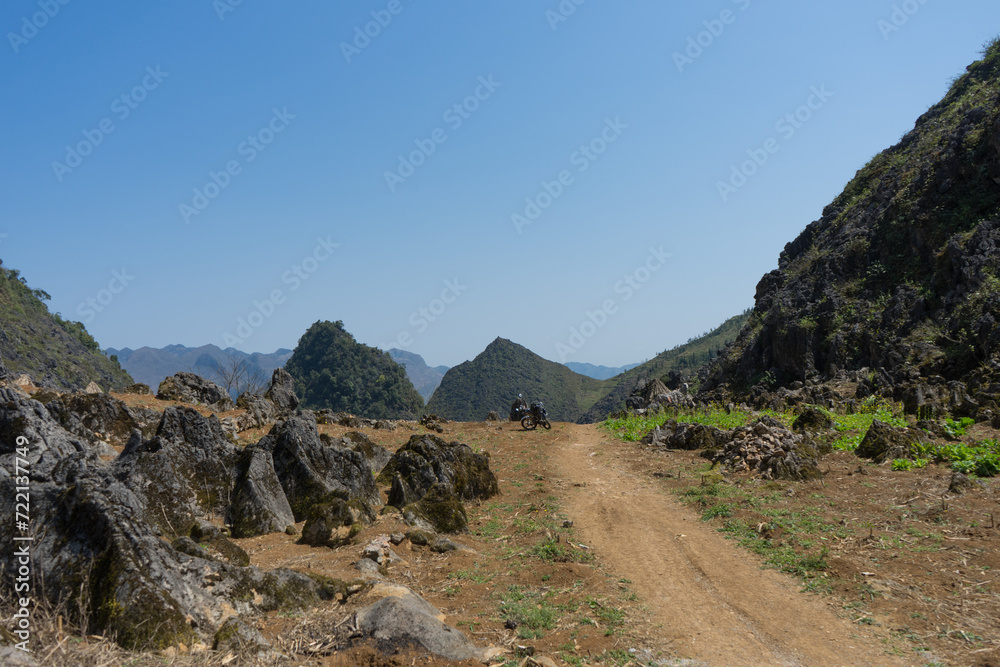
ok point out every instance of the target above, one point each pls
(883, 442)
(282, 391)
(259, 505)
(410, 620)
(426, 460)
(310, 469)
(191, 388)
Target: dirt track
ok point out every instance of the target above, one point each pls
(714, 602)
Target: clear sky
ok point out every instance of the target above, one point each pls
(211, 172)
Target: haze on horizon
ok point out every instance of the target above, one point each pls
(456, 174)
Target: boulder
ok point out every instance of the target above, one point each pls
(240, 639)
(376, 455)
(185, 471)
(139, 389)
(260, 411)
(439, 510)
(959, 484)
(674, 435)
(334, 520)
(409, 620)
(282, 391)
(47, 442)
(493, 416)
(96, 550)
(310, 469)
(426, 460)
(812, 419)
(191, 388)
(883, 442)
(97, 417)
(259, 505)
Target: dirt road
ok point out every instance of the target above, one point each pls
(716, 605)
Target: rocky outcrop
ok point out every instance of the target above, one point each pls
(98, 529)
(674, 435)
(429, 479)
(259, 505)
(883, 442)
(334, 519)
(258, 409)
(282, 391)
(898, 277)
(426, 460)
(376, 455)
(309, 469)
(770, 451)
(409, 620)
(98, 417)
(812, 419)
(191, 388)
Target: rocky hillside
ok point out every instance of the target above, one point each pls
(334, 371)
(425, 378)
(503, 370)
(56, 353)
(897, 285)
(670, 366)
(151, 365)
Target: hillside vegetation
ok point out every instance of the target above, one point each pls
(56, 353)
(332, 370)
(684, 359)
(899, 281)
(492, 381)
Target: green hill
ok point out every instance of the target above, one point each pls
(56, 353)
(897, 285)
(491, 381)
(686, 358)
(332, 370)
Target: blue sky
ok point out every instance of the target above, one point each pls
(542, 171)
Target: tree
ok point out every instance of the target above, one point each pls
(238, 375)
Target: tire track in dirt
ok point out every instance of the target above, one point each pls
(714, 602)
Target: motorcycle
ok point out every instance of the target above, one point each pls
(536, 416)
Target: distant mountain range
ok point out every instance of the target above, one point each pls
(425, 378)
(597, 372)
(151, 365)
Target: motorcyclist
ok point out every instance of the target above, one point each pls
(518, 409)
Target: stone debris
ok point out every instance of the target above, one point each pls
(769, 450)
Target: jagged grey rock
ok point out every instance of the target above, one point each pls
(191, 388)
(309, 469)
(96, 417)
(426, 460)
(260, 410)
(409, 619)
(259, 504)
(282, 391)
(185, 471)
